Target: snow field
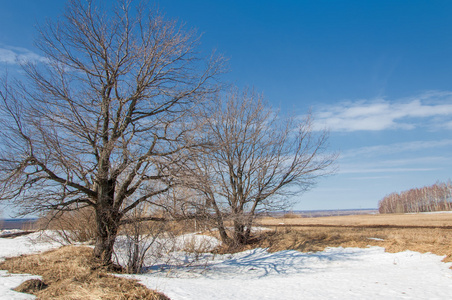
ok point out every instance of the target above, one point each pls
(336, 273)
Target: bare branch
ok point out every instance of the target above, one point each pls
(108, 117)
(258, 159)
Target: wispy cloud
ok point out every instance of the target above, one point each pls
(396, 148)
(364, 178)
(385, 167)
(433, 109)
(17, 55)
(364, 170)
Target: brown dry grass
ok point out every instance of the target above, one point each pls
(69, 274)
(72, 226)
(421, 232)
(436, 220)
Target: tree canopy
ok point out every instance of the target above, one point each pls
(103, 120)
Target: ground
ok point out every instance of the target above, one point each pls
(266, 271)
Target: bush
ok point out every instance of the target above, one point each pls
(291, 215)
(74, 226)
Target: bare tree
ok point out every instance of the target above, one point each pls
(256, 162)
(426, 199)
(102, 122)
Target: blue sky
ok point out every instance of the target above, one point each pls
(378, 74)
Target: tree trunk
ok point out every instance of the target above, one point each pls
(107, 230)
(134, 264)
(223, 235)
(240, 236)
(107, 221)
(220, 223)
(242, 228)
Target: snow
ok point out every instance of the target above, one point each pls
(167, 252)
(26, 244)
(376, 239)
(336, 273)
(431, 212)
(10, 281)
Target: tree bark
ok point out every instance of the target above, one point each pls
(107, 221)
(107, 230)
(240, 236)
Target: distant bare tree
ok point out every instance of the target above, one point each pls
(105, 119)
(426, 199)
(256, 162)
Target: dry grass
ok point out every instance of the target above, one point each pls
(420, 232)
(72, 226)
(426, 220)
(291, 215)
(68, 273)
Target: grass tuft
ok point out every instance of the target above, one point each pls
(31, 286)
(67, 273)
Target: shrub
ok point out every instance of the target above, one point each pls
(72, 226)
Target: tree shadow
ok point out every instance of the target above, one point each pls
(259, 263)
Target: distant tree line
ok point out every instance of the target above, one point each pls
(437, 197)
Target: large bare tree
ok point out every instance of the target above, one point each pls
(106, 117)
(257, 160)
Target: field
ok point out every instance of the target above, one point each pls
(441, 219)
(291, 258)
(395, 232)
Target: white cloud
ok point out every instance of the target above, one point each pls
(16, 55)
(429, 109)
(396, 148)
(419, 160)
(364, 170)
(364, 178)
(416, 164)
(448, 125)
